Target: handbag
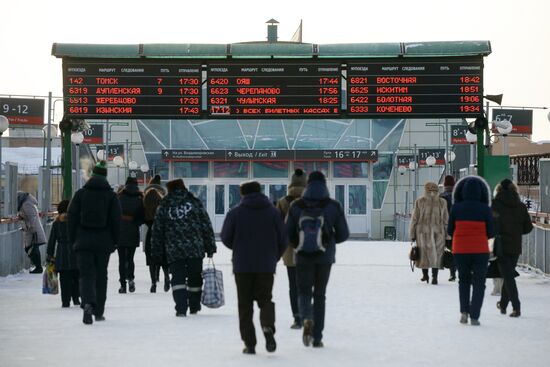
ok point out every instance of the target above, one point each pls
(447, 259)
(414, 254)
(493, 270)
(212, 292)
(50, 284)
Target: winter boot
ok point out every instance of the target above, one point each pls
(515, 313)
(425, 276)
(153, 288)
(99, 318)
(297, 324)
(474, 322)
(502, 309)
(307, 336)
(434, 276)
(122, 288)
(464, 318)
(452, 278)
(166, 283)
(87, 315)
(270, 344)
(249, 350)
(318, 344)
(131, 286)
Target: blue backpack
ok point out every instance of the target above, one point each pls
(312, 233)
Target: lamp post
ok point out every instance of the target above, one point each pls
(100, 154)
(144, 168)
(504, 128)
(77, 138)
(4, 124)
(430, 161)
(450, 156)
(412, 167)
(118, 161)
(402, 170)
(472, 139)
(48, 135)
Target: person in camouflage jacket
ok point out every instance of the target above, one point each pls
(183, 233)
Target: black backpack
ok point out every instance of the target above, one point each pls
(312, 229)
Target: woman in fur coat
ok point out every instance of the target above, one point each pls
(429, 228)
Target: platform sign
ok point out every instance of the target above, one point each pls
(403, 160)
(131, 89)
(458, 134)
(94, 134)
(438, 154)
(415, 88)
(274, 90)
(114, 150)
(522, 120)
(22, 111)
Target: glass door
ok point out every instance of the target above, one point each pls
(354, 200)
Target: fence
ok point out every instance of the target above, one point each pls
(402, 226)
(536, 248)
(13, 258)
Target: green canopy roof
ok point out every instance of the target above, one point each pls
(273, 50)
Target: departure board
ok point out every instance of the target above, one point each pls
(274, 90)
(415, 88)
(129, 89)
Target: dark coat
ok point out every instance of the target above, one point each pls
(471, 221)
(335, 219)
(182, 229)
(94, 217)
(59, 246)
(512, 221)
(131, 204)
(447, 194)
(255, 231)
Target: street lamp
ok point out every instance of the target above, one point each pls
(412, 167)
(100, 154)
(4, 124)
(132, 165)
(144, 168)
(50, 136)
(430, 161)
(472, 139)
(118, 161)
(504, 127)
(450, 156)
(77, 138)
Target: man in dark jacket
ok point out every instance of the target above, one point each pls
(512, 221)
(182, 232)
(447, 194)
(94, 225)
(131, 203)
(313, 271)
(254, 230)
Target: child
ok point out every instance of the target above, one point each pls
(60, 251)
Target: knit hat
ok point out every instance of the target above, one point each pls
(298, 179)
(176, 184)
(155, 180)
(250, 187)
(316, 176)
(100, 169)
(131, 181)
(449, 181)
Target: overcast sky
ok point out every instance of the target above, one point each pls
(519, 31)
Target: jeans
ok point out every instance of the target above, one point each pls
(507, 266)
(254, 287)
(126, 264)
(472, 270)
(92, 267)
(312, 282)
(187, 284)
(293, 292)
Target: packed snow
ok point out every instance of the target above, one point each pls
(378, 314)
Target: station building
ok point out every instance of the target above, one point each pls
(371, 192)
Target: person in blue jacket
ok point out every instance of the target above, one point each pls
(313, 271)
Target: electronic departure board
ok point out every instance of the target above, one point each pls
(275, 90)
(129, 89)
(415, 88)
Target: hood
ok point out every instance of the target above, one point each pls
(296, 191)
(176, 197)
(316, 191)
(131, 190)
(159, 188)
(21, 197)
(97, 183)
(472, 188)
(255, 200)
(508, 198)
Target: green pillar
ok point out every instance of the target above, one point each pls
(66, 163)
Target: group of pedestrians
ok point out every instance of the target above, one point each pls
(465, 224)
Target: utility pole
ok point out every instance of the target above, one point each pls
(66, 126)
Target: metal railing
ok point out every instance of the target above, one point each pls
(536, 245)
(402, 222)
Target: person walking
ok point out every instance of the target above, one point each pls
(447, 194)
(315, 224)
(295, 190)
(254, 230)
(131, 204)
(153, 194)
(94, 225)
(512, 221)
(60, 252)
(34, 236)
(428, 228)
(471, 226)
(183, 233)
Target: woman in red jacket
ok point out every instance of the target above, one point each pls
(471, 226)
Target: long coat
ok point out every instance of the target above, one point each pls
(59, 245)
(512, 219)
(153, 194)
(429, 228)
(27, 208)
(131, 204)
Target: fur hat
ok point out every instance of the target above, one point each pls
(298, 179)
(316, 176)
(131, 181)
(176, 184)
(506, 184)
(100, 169)
(155, 180)
(431, 187)
(250, 187)
(449, 181)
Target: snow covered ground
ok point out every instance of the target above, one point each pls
(378, 314)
